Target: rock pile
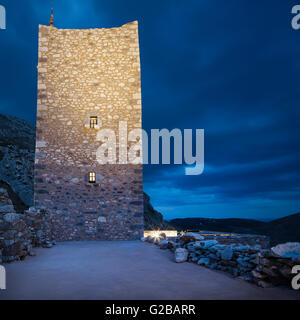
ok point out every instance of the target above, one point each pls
(14, 237)
(265, 267)
(274, 266)
(38, 223)
(20, 232)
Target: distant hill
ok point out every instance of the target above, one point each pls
(280, 230)
(224, 225)
(283, 229)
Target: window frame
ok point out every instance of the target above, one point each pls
(93, 121)
(92, 177)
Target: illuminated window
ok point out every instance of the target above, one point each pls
(93, 122)
(92, 177)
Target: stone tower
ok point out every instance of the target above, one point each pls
(87, 80)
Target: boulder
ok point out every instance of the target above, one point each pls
(32, 253)
(258, 275)
(181, 255)
(171, 244)
(149, 239)
(265, 262)
(287, 250)
(204, 261)
(163, 235)
(285, 271)
(213, 256)
(227, 253)
(205, 244)
(242, 248)
(164, 244)
(196, 236)
(47, 244)
(271, 272)
(186, 239)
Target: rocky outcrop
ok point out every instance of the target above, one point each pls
(17, 139)
(251, 262)
(153, 220)
(11, 199)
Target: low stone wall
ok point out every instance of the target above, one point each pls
(38, 222)
(252, 262)
(19, 233)
(274, 266)
(233, 238)
(20, 229)
(14, 237)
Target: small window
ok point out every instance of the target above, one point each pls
(93, 122)
(92, 177)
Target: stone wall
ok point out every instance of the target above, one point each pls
(83, 73)
(233, 238)
(265, 267)
(20, 232)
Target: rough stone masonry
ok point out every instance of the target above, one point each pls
(87, 80)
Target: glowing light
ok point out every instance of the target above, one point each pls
(157, 233)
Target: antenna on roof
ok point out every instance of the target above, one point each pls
(51, 18)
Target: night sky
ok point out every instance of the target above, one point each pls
(229, 67)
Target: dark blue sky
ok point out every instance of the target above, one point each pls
(231, 67)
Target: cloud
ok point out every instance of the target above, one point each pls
(228, 67)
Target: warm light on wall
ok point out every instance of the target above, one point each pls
(156, 233)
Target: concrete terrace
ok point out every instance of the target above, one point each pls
(122, 270)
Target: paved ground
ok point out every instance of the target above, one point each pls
(122, 270)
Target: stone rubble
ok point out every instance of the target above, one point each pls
(287, 250)
(265, 267)
(181, 255)
(20, 232)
